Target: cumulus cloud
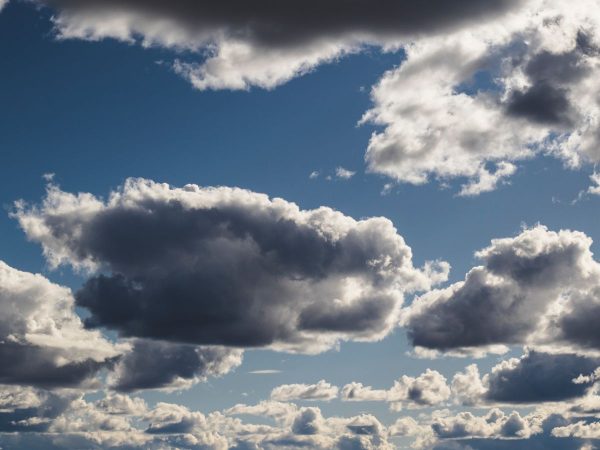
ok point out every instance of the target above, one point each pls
(495, 424)
(265, 44)
(344, 174)
(532, 379)
(42, 340)
(319, 391)
(469, 104)
(163, 365)
(538, 288)
(428, 389)
(226, 266)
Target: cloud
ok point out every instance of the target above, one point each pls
(495, 424)
(428, 389)
(267, 44)
(538, 288)
(471, 103)
(534, 378)
(237, 268)
(344, 174)
(42, 340)
(162, 365)
(319, 391)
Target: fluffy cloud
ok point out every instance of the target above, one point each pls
(468, 104)
(265, 44)
(537, 288)
(428, 389)
(534, 378)
(496, 424)
(319, 391)
(162, 365)
(225, 266)
(42, 341)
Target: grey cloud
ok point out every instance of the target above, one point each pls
(541, 103)
(540, 377)
(160, 365)
(42, 340)
(307, 422)
(506, 300)
(37, 366)
(273, 23)
(220, 266)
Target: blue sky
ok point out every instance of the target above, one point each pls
(96, 112)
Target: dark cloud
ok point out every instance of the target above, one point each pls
(231, 267)
(155, 365)
(42, 340)
(547, 101)
(276, 23)
(504, 300)
(542, 103)
(580, 324)
(541, 377)
(38, 366)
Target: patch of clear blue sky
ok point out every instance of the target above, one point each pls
(96, 113)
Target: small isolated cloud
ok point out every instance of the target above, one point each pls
(320, 391)
(344, 174)
(314, 174)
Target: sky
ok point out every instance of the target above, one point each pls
(266, 225)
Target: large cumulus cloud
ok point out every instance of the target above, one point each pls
(528, 290)
(227, 266)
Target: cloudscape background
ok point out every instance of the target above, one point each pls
(302, 224)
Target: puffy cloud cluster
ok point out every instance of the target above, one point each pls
(265, 43)
(538, 288)
(495, 424)
(428, 389)
(225, 266)
(469, 104)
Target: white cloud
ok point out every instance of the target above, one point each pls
(344, 174)
(428, 389)
(438, 122)
(319, 391)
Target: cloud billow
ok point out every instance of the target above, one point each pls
(530, 290)
(221, 266)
